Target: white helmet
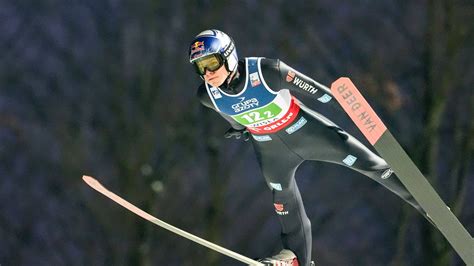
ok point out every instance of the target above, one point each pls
(214, 42)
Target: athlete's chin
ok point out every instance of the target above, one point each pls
(215, 82)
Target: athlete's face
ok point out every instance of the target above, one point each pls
(216, 78)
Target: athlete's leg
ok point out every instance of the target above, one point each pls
(320, 139)
(278, 165)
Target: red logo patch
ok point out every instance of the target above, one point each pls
(279, 207)
(290, 76)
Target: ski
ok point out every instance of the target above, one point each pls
(387, 146)
(92, 182)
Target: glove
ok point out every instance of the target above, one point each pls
(237, 133)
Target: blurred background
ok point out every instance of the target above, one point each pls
(104, 88)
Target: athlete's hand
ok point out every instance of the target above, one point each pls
(237, 133)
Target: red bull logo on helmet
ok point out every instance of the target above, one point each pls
(196, 49)
(197, 46)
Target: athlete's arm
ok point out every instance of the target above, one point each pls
(279, 75)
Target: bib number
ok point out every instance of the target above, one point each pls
(253, 117)
(258, 115)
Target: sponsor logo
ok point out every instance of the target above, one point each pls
(281, 122)
(262, 138)
(254, 79)
(349, 160)
(274, 126)
(276, 186)
(387, 173)
(196, 49)
(216, 93)
(197, 46)
(280, 209)
(325, 98)
(296, 126)
(304, 85)
(265, 122)
(358, 109)
(229, 49)
(290, 76)
(245, 104)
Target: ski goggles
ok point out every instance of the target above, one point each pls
(209, 62)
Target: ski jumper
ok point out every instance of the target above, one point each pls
(286, 133)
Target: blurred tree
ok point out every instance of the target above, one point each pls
(445, 37)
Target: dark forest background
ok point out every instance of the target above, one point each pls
(104, 88)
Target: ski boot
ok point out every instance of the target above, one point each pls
(284, 258)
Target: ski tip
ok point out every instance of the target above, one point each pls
(340, 81)
(90, 180)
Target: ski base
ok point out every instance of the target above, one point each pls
(92, 182)
(387, 146)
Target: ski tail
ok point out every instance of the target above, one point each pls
(92, 182)
(387, 146)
